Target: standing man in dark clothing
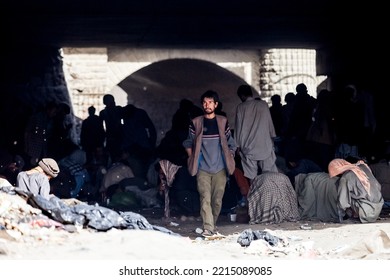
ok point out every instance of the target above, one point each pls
(276, 111)
(210, 148)
(92, 134)
(299, 124)
(112, 116)
(139, 137)
(139, 132)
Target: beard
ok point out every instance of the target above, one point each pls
(208, 111)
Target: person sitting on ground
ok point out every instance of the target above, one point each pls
(358, 190)
(36, 180)
(317, 197)
(118, 171)
(272, 199)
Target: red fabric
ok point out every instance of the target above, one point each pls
(242, 181)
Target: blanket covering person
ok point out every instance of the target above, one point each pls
(317, 196)
(358, 189)
(272, 199)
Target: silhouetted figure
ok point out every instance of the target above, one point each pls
(276, 113)
(170, 147)
(186, 112)
(280, 142)
(92, 134)
(112, 116)
(287, 109)
(140, 135)
(320, 141)
(300, 121)
(277, 119)
(183, 191)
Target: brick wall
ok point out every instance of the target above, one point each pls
(92, 72)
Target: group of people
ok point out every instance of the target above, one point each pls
(212, 149)
(212, 152)
(122, 131)
(104, 139)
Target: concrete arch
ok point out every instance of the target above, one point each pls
(159, 87)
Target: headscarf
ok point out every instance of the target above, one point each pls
(339, 166)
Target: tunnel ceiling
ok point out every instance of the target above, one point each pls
(223, 24)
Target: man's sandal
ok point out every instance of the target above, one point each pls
(207, 233)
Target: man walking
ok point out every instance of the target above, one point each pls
(210, 148)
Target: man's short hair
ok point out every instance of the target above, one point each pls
(210, 94)
(244, 90)
(91, 110)
(301, 88)
(108, 98)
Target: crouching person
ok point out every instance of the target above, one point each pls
(358, 190)
(36, 180)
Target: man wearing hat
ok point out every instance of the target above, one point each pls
(36, 180)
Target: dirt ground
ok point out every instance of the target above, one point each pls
(186, 226)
